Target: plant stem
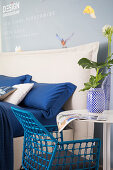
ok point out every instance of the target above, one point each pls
(97, 74)
(108, 46)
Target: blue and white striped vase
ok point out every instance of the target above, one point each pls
(96, 100)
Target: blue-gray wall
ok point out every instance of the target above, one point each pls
(37, 23)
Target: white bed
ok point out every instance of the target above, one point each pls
(53, 66)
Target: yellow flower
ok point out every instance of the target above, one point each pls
(89, 10)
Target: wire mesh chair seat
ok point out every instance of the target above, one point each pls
(44, 148)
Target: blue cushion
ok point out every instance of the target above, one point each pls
(10, 81)
(49, 97)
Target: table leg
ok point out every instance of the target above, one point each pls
(106, 146)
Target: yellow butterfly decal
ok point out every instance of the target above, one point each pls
(89, 10)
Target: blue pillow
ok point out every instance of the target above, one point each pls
(10, 81)
(49, 97)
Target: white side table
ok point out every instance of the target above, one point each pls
(108, 114)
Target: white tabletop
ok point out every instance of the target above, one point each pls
(107, 114)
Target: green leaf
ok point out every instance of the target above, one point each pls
(99, 77)
(87, 86)
(92, 79)
(102, 65)
(110, 61)
(108, 58)
(92, 83)
(87, 64)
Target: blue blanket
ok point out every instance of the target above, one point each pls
(6, 140)
(10, 127)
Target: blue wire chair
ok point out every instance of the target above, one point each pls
(44, 148)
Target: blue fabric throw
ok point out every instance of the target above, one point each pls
(6, 140)
(10, 127)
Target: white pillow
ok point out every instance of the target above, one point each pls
(19, 94)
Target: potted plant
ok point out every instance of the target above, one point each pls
(96, 96)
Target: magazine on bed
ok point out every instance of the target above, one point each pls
(64, 118)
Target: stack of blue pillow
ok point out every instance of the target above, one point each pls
(48, 97)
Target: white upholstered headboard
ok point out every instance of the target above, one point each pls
(53, 66)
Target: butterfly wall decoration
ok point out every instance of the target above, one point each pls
(63, 42)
